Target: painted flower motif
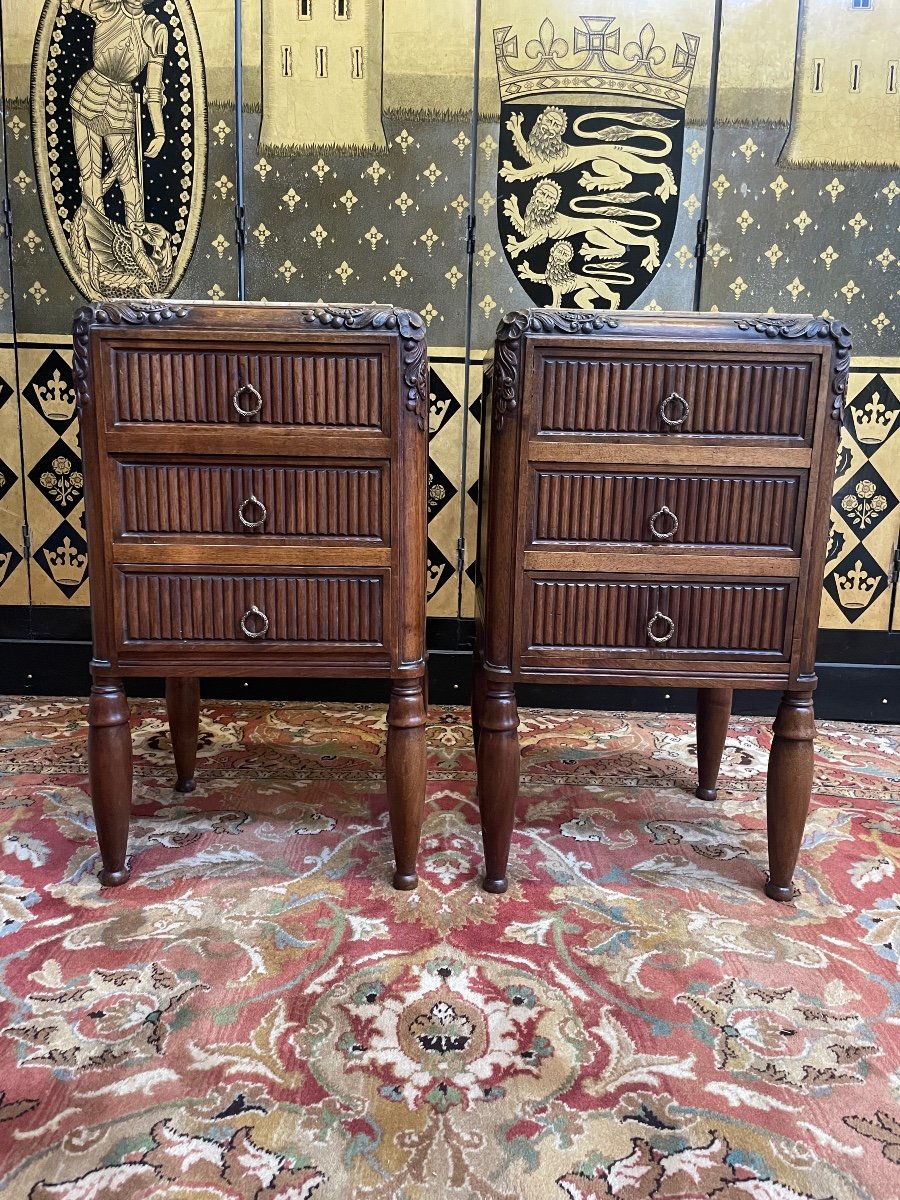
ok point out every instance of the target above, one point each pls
(109, 1019)
(180, 1165)
(864, 505)
(63, 484)
(782, 1037)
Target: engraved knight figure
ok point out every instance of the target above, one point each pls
(106, 112)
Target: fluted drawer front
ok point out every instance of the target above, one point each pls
(732, 396)
(342, 502)
(745, 620)
(187, 385)
(594, 507)
(162, 606)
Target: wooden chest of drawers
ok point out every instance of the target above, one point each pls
(655, 498)
(256, 505)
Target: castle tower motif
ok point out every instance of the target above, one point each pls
(846, 105)
(322, 74)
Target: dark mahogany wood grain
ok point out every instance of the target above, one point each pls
(109, 772)
(162, 606)
(713, 715)
(738, 511)
(788, 788)
(596, 422)
(335, 501)
(732, 395)
(310, 423)
(406, 751)
(700, 615)
(183, 712)
(191, 384)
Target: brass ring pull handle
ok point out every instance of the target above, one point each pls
(670, 628)
(683, 410)
(660, 534)
(258, 615)
(251, 499)
(249, 390)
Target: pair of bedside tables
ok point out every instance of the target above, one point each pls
(654, 500)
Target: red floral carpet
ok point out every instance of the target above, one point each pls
(258, 1015)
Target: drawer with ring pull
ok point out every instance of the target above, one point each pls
(589, 508)
(207, 608)
(206, 499)
(728, 395)
(185, 384)
(745, 619)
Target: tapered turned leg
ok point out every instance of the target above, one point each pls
(109, 770)
(788, 789)
(406, 776)
(498, 780)
(478, 693)
(183, 708)
(713, 713)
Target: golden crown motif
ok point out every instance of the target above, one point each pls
(873, 421)
(596, 64)
(856, 587)
(56, 398)
(67, 565)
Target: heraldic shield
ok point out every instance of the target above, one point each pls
(591, 143)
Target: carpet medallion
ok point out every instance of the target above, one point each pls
(258, 1016)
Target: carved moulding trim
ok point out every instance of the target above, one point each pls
(508, 354)
(145, 312)
(815, 327)
(376, 318)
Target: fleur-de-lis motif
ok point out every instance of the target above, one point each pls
(684, 256)
(546, 45)
(773, 253)
(644, 52)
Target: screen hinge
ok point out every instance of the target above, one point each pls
(7, 218)
(895, 587)
(702, 235)
(240, 225)
(460, 555)
(470, 234)
(26, 541)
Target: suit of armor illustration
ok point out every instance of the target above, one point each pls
(106, 111)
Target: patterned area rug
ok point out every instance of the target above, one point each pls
(258, 1015)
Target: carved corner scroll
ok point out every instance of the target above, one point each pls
(815, 327)
(125, 312)
(508, 352)
(411, 329)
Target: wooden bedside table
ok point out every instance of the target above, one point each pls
(256, 505)
(655, 492)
